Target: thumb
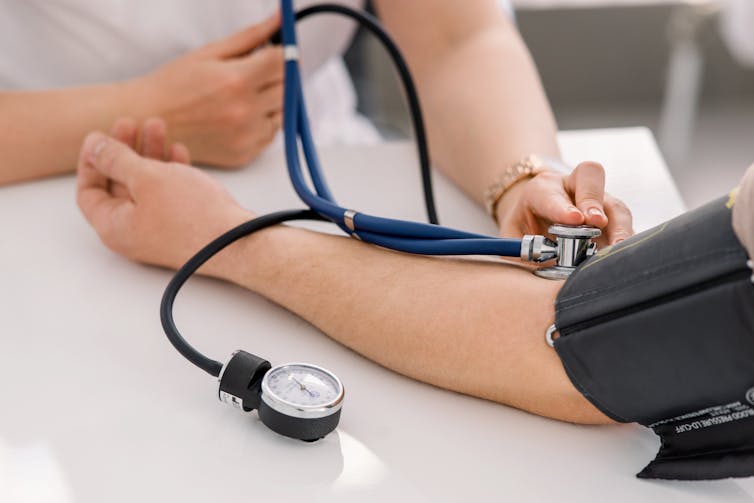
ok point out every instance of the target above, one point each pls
(244, 41)
(111, 158)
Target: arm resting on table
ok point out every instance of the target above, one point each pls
(469, 326)
(472, 327)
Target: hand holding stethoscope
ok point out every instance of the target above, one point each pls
(572, 198)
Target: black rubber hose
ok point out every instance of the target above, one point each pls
(209, 365)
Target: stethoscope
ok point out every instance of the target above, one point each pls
(304, 401)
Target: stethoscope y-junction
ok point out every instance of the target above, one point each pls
(301, 400)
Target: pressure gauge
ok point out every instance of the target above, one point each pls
(301, 400)
(297, 400)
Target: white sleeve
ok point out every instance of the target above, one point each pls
(736, 24)
(325, 37)
(507, 6)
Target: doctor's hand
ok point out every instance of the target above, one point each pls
(162, 212)
(531, 205)
(223, 100)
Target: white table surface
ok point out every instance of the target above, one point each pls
(98, 407)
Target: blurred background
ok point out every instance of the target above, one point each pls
(671, 65)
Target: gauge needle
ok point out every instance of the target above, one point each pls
(303, 388)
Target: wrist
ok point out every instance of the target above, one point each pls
(509, 201)
(152, 95)
(256, 260)
(226, 264)
(139, 98)
(511, 176)
(512, 179)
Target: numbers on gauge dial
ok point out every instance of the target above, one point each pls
(303, 386)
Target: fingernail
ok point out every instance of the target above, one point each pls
(100, 145)
(573, 209)
(596, 212)
(619, 240)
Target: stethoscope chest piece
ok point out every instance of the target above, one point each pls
(298, 400)
(574, 245)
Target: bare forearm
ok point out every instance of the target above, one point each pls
(486, 111)
(484, 103)
(43, 130)
(471, 327)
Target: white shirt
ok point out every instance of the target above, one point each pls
(59, 43)
(736, 22)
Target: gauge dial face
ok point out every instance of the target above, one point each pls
(303, 386)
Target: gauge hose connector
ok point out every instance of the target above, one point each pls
(241, 380)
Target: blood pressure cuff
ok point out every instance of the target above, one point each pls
(659, 330)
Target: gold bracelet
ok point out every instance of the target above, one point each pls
(528, 167)
(525, 168)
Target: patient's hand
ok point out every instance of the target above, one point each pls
(148, 210)
(150, 139)
(529, 207)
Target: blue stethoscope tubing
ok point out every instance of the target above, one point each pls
(400, 235)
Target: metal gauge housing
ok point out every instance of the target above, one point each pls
(300, 400)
